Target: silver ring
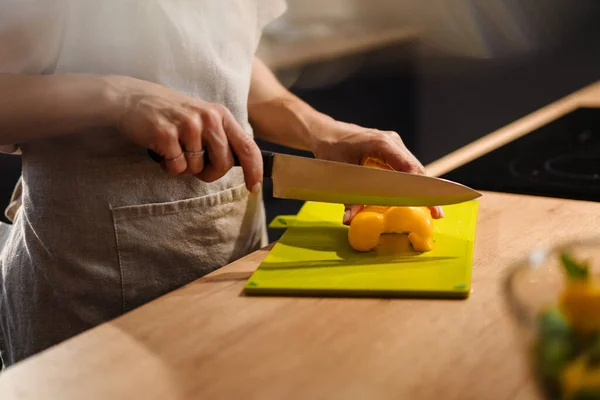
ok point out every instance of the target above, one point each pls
(194, 153)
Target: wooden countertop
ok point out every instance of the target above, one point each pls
(207, 340)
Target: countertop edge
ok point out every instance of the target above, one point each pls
(588, 96)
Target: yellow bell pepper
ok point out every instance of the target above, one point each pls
(372, 221)
(580, 299)
(579, 377)
(580, 303)
(571, 378)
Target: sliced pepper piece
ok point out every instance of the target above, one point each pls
(372, 221)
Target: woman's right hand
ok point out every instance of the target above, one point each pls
(180, 128)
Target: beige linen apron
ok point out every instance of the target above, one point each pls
(101, 229)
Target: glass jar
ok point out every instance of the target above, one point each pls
(550, 307)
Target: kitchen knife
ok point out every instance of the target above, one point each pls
(309, 179)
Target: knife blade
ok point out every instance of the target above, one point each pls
(309, 179)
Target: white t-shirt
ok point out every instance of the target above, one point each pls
(182, 44)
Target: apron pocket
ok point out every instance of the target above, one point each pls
(164, 246)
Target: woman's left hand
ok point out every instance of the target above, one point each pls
(343, 142)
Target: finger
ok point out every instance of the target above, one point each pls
(403, 160)
(436, 212)
(167, 145)
(392, 150)
(191, 141)
(247, 152)
(350, 212)
(217, 145)
(412, 165)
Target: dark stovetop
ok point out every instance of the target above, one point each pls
(561, 159)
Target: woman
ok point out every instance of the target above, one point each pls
(88, 87)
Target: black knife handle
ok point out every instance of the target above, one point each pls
(267, 156)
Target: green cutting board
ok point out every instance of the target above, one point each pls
(313, 257)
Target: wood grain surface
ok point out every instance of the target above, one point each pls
(207, 340)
